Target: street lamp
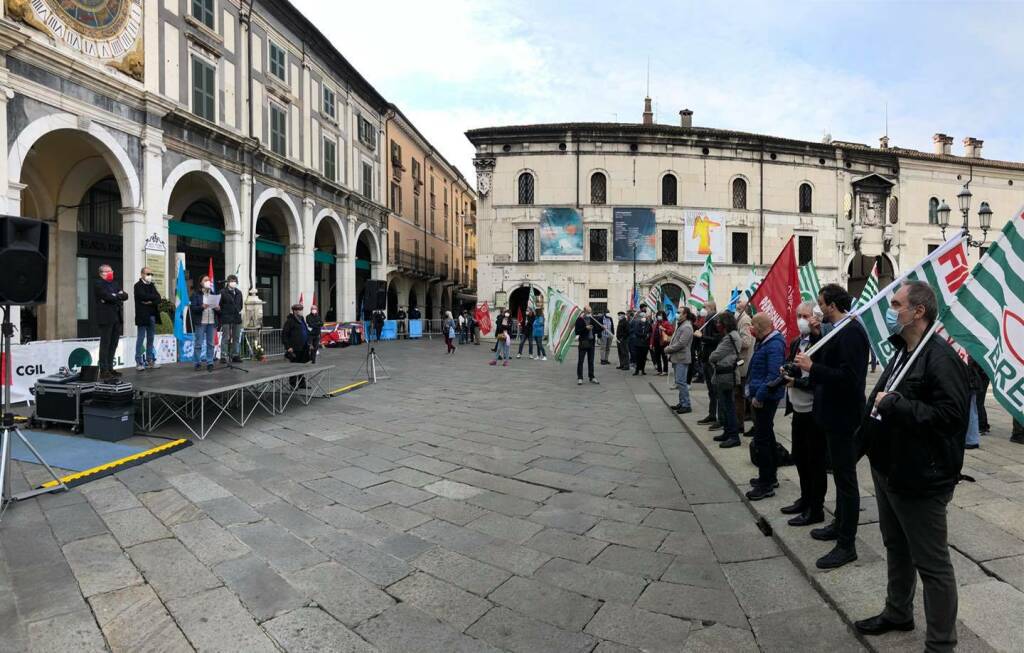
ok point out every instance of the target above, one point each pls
(963, 199)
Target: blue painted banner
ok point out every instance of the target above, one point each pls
(415, 328)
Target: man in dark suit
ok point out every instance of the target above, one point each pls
(588, 330)
(230, 313)
(147, 311)
(837, 372)
(109, 317)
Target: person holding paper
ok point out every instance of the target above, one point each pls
(204, 323)
(913, 431)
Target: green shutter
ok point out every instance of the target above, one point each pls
(362, 264)
(269, 247)
(324, 257)
(196, 231)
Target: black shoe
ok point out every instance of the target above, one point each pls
(794, 508)
(720, 438)
(636, 373)
(236, 359)
(1017, 439)
(684, 410)
(749, 434)
(209, 368)
(759, 492)
(879, 625)
(198, 367)
(970, 446)
(707, 420)
(715, 426)
(826, 533)
(675, 407)
(807, 518)
(729, 444)
(836, 558)
(754, 482)
(643, 373)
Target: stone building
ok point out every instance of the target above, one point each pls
(562, 204)
(431, 225)
(228, 130)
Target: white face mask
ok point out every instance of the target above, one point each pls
(703, 312)
(148, 278)
(207, 285)
(314, 311)
(804, 325)
(232, 284)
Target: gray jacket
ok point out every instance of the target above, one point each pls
(747, 349)
(678, 349)
(725, 355)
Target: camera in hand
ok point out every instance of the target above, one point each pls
(792, 370)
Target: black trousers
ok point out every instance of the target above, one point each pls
(809, 456)
(110, 334)
(842, 449)
(640, 358)
(764, 440)
(660, 359)
(979, 402)
(709, 375)
(588, 353)
(915, 537)
(623, 348)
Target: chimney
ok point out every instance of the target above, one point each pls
(972, 147)
(686, 118)
(648, 113)
(943, 143)
(883, 142)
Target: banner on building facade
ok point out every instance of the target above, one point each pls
(561, 235)
(634, 226)
(703, 236)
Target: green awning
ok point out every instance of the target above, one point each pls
(269, 247)
(324, 257)
(197, 231)
(362, 264)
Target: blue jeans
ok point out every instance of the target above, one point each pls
(523, 340)
(204, 337)
(973, 434)
(539, 340)
(144, 338)
(684, 389)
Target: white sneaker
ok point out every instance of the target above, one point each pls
(532, 357)
(519, 355)
(545, 358)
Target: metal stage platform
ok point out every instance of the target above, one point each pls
(199, 399)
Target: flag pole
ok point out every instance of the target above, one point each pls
(634, 274)
(910, 361)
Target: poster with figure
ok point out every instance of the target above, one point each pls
(561, 235)
(703, 235)
(629, 226)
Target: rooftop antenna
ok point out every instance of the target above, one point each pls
(648, 75)
(887, 119)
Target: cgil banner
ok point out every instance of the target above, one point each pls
(30, 362)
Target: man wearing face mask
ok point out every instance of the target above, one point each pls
(588, 330)
(147, 308)
(295, 336)
(109, 317)
(913, 431)
(837, 374)
(204, 325)
(708, 335)
(808, 442)
(230, 311)
(315, 324)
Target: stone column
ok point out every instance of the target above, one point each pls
(308, 247)
(234, 255)
(247, 252)
(347, 274)
(133, 236)
(293, 276)
(5, 95)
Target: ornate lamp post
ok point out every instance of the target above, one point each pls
(964, 201)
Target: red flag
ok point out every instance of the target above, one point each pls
(519, 315)
(482, 315)
(209, 273)
(314, 300)
(300, 297)
(779, 293)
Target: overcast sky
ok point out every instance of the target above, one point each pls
(794, 69)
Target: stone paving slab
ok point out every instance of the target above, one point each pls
(100, 565)
(135, 619)
(310, 629)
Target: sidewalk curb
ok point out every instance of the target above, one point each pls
(782, 545)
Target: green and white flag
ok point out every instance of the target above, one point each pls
(701, 293)
(986, 316)
(810, 286)
(531, 302)
(945, 270)
(653, 298)
(753, 281)
(561, 323)
(870, 288)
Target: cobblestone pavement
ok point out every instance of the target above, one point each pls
(986, 535)
(456, 507)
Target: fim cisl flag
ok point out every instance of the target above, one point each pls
(779, 293)
(701, 293)
(561, 323)
(986, 316)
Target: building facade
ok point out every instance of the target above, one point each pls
(229, 131)
(561, 205)
(432, 226)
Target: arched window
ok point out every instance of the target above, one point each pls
(526, 188)
(669, 191)
(739, 193)
(598, 188)
(933, 211)
(805, 198)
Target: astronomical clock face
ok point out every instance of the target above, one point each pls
(105, 29)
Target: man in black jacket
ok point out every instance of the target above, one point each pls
(230, 311)
(914, 434)
(109, 317)
(837, 373)
(147, 310)
(588, 330)
(622, 341)
(709, 337)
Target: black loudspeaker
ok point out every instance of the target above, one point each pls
(24, 246)
(375, 295)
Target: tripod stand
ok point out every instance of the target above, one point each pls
(9, 430)
(371, 364)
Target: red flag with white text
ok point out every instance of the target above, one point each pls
(779, 293)
(482, 315)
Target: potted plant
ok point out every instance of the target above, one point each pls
(258, 353)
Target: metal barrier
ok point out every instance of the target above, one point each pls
(269, 339)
